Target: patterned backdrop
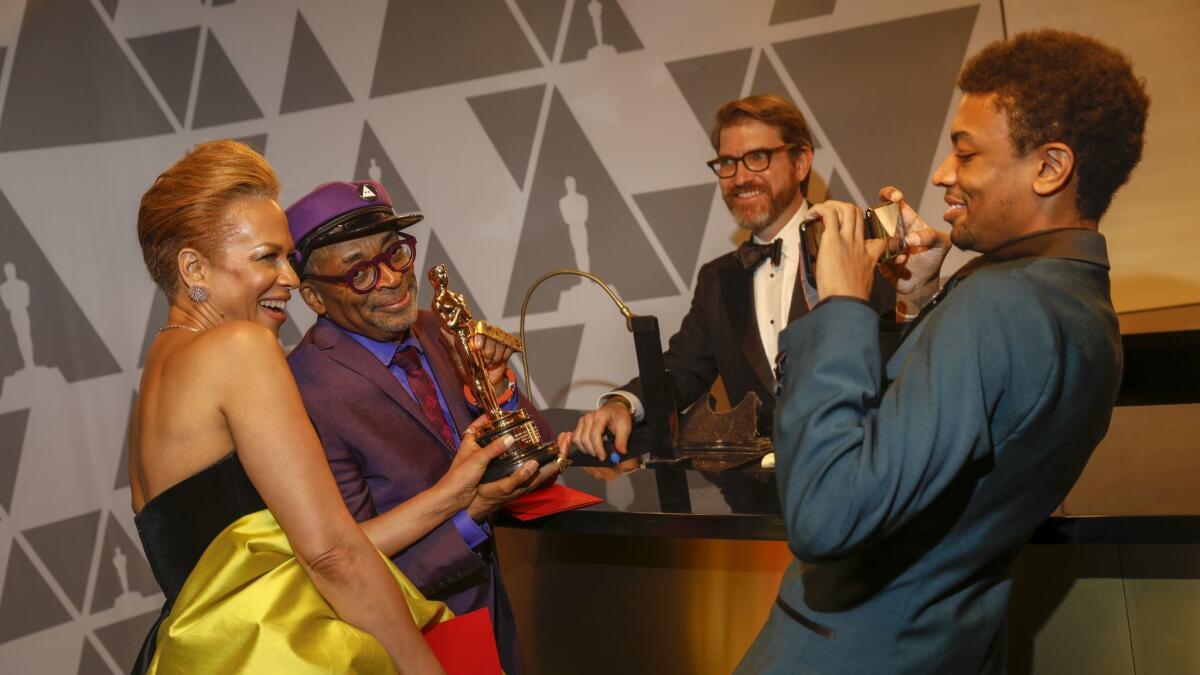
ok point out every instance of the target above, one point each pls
(534, 134)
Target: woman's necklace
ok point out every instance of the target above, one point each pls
(176, 325)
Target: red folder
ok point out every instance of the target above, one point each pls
(465, 645)
(550, 500)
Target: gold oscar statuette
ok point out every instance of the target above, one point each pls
(451, 308)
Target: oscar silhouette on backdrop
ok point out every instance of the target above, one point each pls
(595, 10)
(14, 294)
(19, 379)
(127, 598)
(574, 209)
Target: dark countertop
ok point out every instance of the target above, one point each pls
(721, 495)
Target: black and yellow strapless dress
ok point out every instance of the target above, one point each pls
(237, 598)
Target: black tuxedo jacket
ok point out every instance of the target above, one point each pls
(719, 336)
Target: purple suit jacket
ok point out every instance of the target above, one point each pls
(383, 451)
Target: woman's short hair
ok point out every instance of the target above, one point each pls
(188, 203)
(771, 110)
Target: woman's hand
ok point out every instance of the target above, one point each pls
(471, 461)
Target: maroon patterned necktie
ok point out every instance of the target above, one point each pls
(423, 390)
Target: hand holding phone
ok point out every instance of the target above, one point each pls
(879, 222)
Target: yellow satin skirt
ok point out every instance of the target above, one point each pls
(249, 607)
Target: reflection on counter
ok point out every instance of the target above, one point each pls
(722, 480)
(1128, 493)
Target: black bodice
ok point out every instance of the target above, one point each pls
(178, 524)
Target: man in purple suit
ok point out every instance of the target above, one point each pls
(385, 391)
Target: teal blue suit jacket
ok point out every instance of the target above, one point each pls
(907, 502)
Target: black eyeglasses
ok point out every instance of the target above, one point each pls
(362, 277)
(755, 160)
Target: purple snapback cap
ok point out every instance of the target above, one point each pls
(336, 212)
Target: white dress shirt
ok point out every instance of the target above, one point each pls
(773, 286)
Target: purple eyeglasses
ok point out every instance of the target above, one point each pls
(362, 277)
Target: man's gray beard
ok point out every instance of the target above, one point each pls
(400, 324)
(755, 225)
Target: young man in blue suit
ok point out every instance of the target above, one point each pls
(909, 489)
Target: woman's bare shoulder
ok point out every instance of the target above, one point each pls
(231, 334)
(231, 352)
(236, 341)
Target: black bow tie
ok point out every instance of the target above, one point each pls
(752, 255)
